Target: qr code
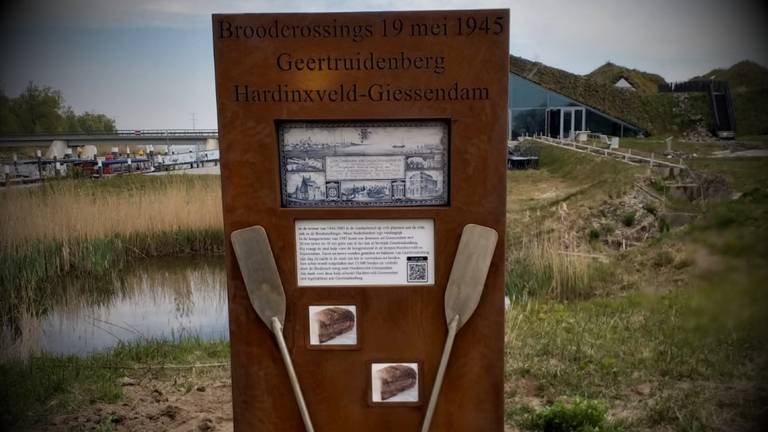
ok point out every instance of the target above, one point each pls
(417, 269)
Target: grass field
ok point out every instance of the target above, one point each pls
(691, 359)
(658, 146)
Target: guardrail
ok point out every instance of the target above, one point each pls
(627, 157)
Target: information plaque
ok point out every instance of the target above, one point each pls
(363, 144)
(365, 252)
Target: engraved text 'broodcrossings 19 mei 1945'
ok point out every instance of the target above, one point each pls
(362, 60)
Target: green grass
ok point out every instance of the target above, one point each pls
(751, 115)
(686, 351)
(658, 146)
(586, 169)
(701, 343)
(35, 389)
(743, 174)
(577, 416)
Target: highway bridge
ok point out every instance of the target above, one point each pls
(154, 137)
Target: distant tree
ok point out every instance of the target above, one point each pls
(8, 122)
(91, 122)
(37, 109)
(70, 123)
(40, 109)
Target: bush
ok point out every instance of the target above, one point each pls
(579, 416)
(628, 219)
(594, 234)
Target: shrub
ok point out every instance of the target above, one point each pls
(594, 234)
(579, 416)
(628, 219)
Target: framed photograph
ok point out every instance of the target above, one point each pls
(364, 164)
(333, 327)
(395, 383)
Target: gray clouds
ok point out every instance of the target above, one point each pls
(80, 46)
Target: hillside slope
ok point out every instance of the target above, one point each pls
(644, 82)
(749, 89)
(745, 75)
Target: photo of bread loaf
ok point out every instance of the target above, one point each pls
(395, 382)
(333, 325)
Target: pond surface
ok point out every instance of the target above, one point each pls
(169, 298)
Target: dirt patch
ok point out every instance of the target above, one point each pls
(169, 404)
(627, 221)
(525, 392)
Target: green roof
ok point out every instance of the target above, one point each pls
(622, 104)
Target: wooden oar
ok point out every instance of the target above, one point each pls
(265, 290)
(465, 286)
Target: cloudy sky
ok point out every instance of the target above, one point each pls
(149, 64)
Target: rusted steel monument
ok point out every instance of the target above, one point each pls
(361, 145)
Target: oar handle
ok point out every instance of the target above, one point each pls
(452, 328)
(277, 329)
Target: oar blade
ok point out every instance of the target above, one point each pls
(470, 268)
(262, 280)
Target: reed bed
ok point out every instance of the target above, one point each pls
(77, 209)
(91, 229)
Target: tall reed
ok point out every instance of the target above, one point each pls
(543, 265)
(92, 228)
(78, 209)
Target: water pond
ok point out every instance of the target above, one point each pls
(168, 298)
